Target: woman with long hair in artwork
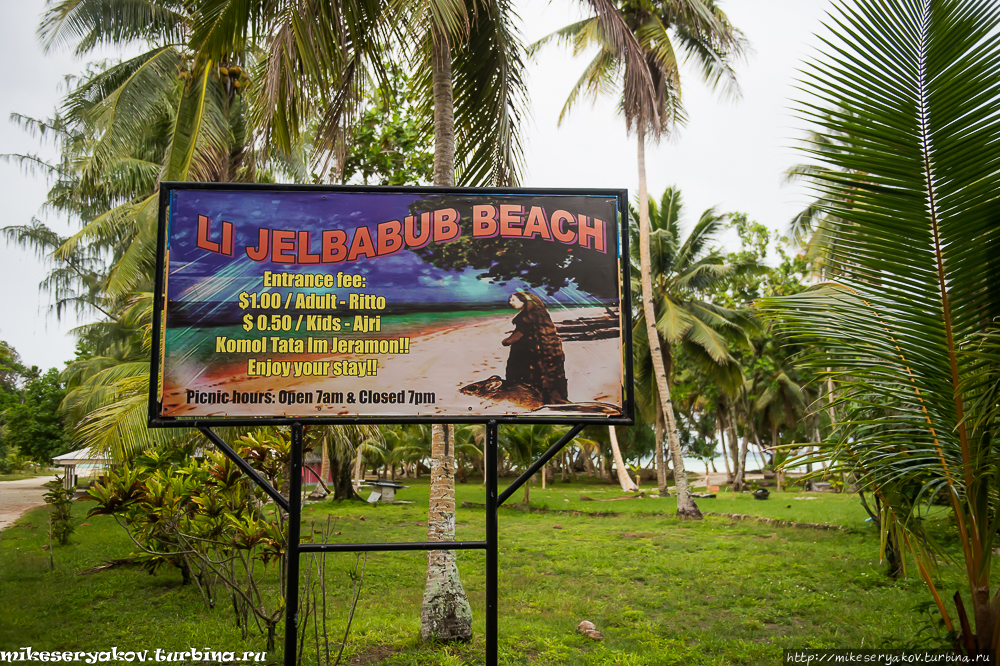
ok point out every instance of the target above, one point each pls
(536, 354)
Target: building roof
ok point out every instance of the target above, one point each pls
(81, 457)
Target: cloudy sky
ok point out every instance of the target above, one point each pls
(731, 154)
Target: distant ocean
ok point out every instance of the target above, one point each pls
(697, 465)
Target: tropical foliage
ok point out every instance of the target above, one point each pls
(885, 379)
(31, 425)
(204, 517)
(908, 333)
(637, 41)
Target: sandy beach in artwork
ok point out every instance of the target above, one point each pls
(441, 361)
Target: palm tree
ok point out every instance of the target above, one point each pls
(341, 444)
(523, 444)
(781, 402)
(682, 270)
(311, 63)
(488, 71)
(910, 325)
(709, 39)
(812, 228)
(408, 445)
(469, 443)
(122, 128)
(370, 447)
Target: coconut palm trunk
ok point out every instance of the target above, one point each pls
(774, 452)
(446, 614)
(324, 469)
(734, 445)
(725, 452)
(661, 458)
(357, 469)
(628, 485)
(444, 111)
(685, 503)
(739, 450)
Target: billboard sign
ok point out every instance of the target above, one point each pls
(325, 303)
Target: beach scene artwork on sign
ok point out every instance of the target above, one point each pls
(322, 303)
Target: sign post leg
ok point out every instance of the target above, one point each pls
(292, 569)
(492, 545)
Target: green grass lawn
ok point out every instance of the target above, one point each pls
(17, 476)
(662, 591)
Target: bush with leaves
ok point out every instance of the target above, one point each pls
(204, 517)
(11, 460)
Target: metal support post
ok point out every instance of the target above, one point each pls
(492, 544)
(292, 568)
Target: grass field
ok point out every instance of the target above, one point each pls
(29, 474)
(662, 591)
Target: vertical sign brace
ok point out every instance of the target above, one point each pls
(294, 526)
(492, 545)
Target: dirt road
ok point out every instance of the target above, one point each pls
(16, 497)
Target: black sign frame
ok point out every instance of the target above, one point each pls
(627, 418)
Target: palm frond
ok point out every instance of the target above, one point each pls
(490, 99)
(569, 34)
(93, 23)
(123, 103)
(598, 78)
(638, 91)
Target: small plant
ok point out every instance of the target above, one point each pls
(636, 474)
(60, 499)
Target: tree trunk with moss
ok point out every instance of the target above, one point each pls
(661, 458)
(343, 484)
(324, 468)
(446, 614)
(358, 476)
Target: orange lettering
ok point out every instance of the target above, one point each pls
(558, 218)
(334, 246)
(389, 239)
(510, 215)
(260, 252)
(304, 256)
(484, 222)
(227, 238)
(446, 225)
(591, 229)
(537, 225)
(412, 240)
(362, 245)
(282, 245)
(203, 231)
